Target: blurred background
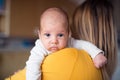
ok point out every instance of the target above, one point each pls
(19, 20)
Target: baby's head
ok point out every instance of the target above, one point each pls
(54, 29)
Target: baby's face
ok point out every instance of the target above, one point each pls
(53, 34)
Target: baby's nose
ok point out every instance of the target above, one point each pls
(54, 40)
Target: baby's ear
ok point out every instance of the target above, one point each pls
(38, 34)
(36, 31)
(69, 34)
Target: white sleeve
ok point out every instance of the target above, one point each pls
(33, 64)
(85, 45)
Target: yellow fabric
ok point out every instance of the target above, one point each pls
(18, 76)
(70, 64)
(66, 64)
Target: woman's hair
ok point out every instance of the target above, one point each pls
(93, 21)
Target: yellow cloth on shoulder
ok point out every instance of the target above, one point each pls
(66, 64)
(20, 75)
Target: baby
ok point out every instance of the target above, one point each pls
(54, 35)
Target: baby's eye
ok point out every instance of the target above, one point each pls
(60, 35)
(47, 34)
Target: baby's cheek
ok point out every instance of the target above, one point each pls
(63, 45)
(46, 46)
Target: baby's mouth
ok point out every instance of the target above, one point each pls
(53, 49)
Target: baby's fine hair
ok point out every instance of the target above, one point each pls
(58, 10)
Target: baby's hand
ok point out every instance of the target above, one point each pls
(100, 60)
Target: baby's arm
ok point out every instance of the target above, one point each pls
(97, 54)
(38, 53)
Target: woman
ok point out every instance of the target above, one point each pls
(70, 64)
(93, 21)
